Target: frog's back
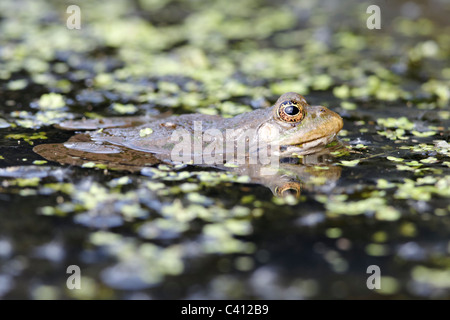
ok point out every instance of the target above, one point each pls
(149, 134)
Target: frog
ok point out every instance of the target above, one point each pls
(303, 134)
(290, 126)
(290, 177)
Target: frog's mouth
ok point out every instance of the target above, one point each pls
(307, 147)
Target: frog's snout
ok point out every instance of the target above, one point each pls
(339, 123)
(334, 122)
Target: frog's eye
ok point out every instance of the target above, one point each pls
(290, 188)
(290, 111)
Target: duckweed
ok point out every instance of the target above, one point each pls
(192, 232)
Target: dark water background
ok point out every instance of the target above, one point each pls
(198, 233)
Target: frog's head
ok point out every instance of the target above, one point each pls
(299, 126)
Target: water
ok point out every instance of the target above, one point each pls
(196, 232)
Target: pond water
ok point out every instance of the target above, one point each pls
(138, 228)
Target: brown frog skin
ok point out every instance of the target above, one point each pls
(294, 125)
(118, 144)
(287, 178)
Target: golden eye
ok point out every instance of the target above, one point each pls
(290, 188)
(290, 111)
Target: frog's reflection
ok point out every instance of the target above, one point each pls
(289, 177)
(292, 175)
